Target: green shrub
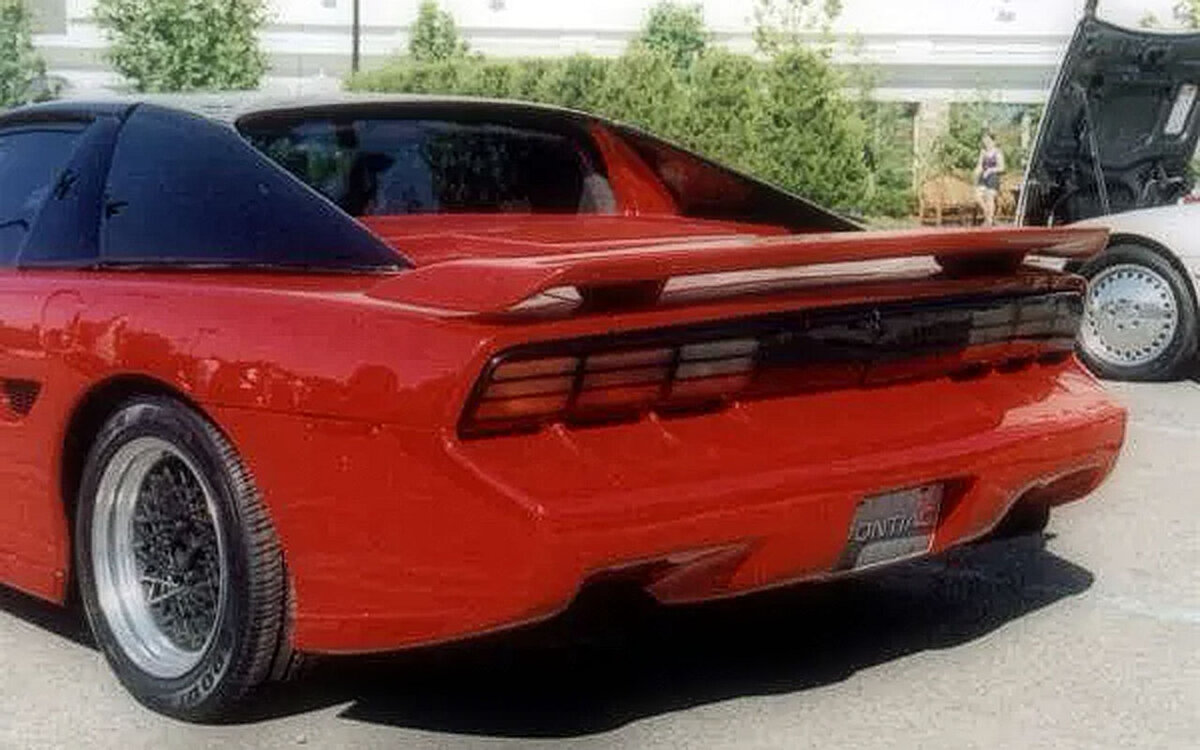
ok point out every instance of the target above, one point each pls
(787, 24)
(889, 157)
(490, 78)
(434, 35)
(785, 119)
(438, 77)
(814, 138)
(958, 148)
(723, 110)
(185, 45)
(531, 77)
(21, 67)
(644, 89)
(1187, 13)
(578, 82)
(675, 31)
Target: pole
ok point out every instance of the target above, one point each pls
(356, 38)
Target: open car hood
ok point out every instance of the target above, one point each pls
(1120, 126)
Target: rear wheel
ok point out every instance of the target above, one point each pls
(1139, 318)
(180, 572)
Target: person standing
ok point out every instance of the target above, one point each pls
(987, 177)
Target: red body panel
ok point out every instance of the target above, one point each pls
(344, 402)
(457, 538)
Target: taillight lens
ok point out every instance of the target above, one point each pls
(595, 381)
(522, 392)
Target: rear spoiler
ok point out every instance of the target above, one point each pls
(495, 285)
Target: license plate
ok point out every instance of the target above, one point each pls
(893, 526)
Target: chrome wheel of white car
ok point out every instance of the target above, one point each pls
(1130, 316)
(1139, 319)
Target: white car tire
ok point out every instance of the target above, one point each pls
(1139, 318)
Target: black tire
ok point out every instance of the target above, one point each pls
(246, 642)
(1171, 362)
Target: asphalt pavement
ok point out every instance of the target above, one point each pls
(1087, 638)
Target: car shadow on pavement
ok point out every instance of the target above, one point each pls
(65, 622)
(616, 657)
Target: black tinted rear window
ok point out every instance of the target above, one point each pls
(389, 166)
(31, 162)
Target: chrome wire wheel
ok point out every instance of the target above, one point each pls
(1130, 317)
(158, 557)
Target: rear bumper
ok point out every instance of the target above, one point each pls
(393, 539)
(803, 537)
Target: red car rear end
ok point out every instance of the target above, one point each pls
(725, 411)
(363, 376)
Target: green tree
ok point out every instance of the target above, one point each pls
(785, 119)
(185, 45)
(644, 89)
(435, 35)
(1187, 12)
(1012, 125)
(22, 67)
(814, 139)
(723, 108)
(889, 157)
(676, 31)
(784, 24)
(578, 82)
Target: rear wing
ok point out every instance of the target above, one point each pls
(496, 285)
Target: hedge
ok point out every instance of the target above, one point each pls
(21, 67)
(185, 45)
(785, 119)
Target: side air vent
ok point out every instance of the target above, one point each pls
(20, 395)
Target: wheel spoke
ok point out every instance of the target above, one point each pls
(167, 575)
(164, 594)
(1131, 315)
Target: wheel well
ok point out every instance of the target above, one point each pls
(1165, 253)
(88, 418)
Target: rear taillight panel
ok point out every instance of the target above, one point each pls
(689, 368)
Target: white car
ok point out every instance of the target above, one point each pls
(1115, 149)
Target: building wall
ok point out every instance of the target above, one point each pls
(926, 50)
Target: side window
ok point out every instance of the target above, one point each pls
(32, 159)
(705, 190)
(186, 190)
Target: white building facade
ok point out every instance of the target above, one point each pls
(926, 50)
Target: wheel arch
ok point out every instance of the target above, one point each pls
(1176, 357)
(1166, 254)
(86, 419)
(273, 658)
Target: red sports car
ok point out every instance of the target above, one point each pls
(362, 376)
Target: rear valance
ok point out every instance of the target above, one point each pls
(496, 285)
